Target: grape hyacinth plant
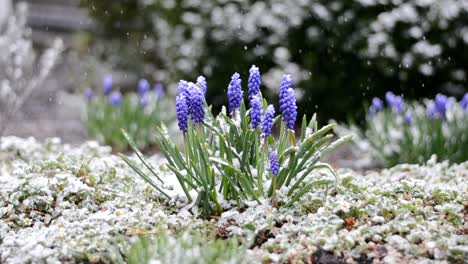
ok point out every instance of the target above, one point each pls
(143, 87)
(267, 124)
(254, 82)
(395, 102)
(107, 84)
(89, 94)
(182, 112)
(197, 101)
(115, 98)
(201, 82)
(376, 106)
(159, 91)
(441, 103)
(228, 155)
(413, 132)
(464, 102)
(256, 111)
(289, 109)
(431, 111)
(408, 118)
(274, 163)
(137, 113)
(235, 92)
(286, 83)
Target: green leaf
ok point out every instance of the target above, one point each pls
(142, 174)
(298, 182)
(320, 132)
(306, 189)
(140, 156)
(336, 144)
(247, 185)
(303, 127)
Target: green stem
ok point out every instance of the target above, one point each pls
(187, 158)
(273, 184)
(292, 137)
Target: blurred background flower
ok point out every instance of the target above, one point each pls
(115, 98)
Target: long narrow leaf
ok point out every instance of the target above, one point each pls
(142, 174)
(140, 156)
(305, 189)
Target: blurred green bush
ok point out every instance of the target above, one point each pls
(412, 132)
(137, 113)
(341, 52)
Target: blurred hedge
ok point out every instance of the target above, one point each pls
(340, 53)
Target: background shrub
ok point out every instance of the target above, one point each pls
(412, 132)
(342, 48)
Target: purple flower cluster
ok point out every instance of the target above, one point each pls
(201, 82)
(441, 104)
(389, 97)
(189, 103)
(183, 88)
(143, 87)
(144, 100)
(235, 93)
(398, 104)
(287, 102)
(290, 109)
(464, 102)
(431, 111)
(377, 106)
(377, 103)
(107, 84)
(267, 123)
(286, 83)
(159, 91)
(408, 118)
(89, 94)
(274, 163)
(395, 102)
(254, 82)
(436, 109)
(115, 98)
(255, 112)
(182, 112)
(197, 101)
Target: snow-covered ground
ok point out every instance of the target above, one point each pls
(68, 204)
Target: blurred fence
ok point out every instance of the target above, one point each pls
(55, 18)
